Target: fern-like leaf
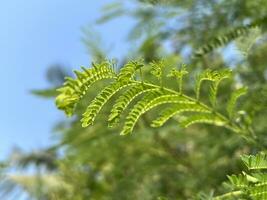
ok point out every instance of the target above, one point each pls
(259, 191)
(204, 118)
(207, 75)
(74, 89)
(150, 101)
(249, 185)
(125, 99)
(230, 196)
(179, 74)
(128, 71)
(257, 162)
(124, 79)
(154, 95)
(157, 70)
(228, 37)
(100, 100)
(218, 77)
(238, 181)
(177, 109)
(233, 99)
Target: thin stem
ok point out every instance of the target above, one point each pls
(141, 75)
(161, 80)
(180, 84)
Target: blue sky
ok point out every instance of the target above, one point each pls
(34, 35)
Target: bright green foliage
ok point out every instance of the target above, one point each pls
(175, 110)
(215, 77)
(251, 185)
(157, 70)
(215, 84)
(232, 102)
(179, 74)
(153, 96)
(150, 101)
(205, 119)
(256, 162)
(94, 108)
(128, 71)
(75, 89)
(125, 99)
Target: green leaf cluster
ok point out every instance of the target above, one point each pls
(147, 95)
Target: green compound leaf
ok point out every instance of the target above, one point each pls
(218, 77)
(203, 118)
(233, 99)
(128, 87)
(125, 99)
(258, 161)
(228, 37)
(100, 100)
(177, 109)
(148, 102)
(74, 89)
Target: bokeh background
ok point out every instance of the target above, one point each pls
(35, 36)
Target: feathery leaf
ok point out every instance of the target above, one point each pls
(155, 94)
(100, 100)
(177, 109)
(125, 99)
(150, 101)
(157, 70)
(218, 77)
(127, 72)
(233, 99)
(228, 37)
(258, 161)
(179, 74)
(74, 89)
(207, 75)
(205, 118)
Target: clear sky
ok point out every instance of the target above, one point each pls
(34, 35)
